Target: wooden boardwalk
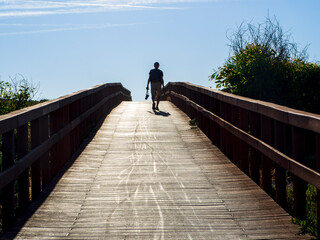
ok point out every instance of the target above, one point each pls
(153, 176)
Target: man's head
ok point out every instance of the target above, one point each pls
(156, 65)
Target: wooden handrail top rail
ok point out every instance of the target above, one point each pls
(290, 116)
(20, 117)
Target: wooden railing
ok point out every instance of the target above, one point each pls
(266, 141)
(38, 141)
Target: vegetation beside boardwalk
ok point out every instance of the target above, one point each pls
(16, 94)
(265, 64)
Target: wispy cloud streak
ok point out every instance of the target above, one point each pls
(49, 28)
(18, 8)
(32, 8)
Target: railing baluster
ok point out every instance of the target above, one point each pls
(222, 131)
(66, 140)
(254, 154)
(235, 140)
(266, 162)
(54, 151)
(280, 144)
(45, 160)
(36, 166)
(318, 190)
(228, 139)
(7, 191)
(243, 157)
(215, 125)
(299, 186)
(75, 133)
(23, 180)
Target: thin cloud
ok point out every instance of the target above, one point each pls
(60, 28)
(19, 8)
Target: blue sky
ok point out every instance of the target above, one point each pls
(71, 45)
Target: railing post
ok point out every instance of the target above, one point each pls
(243, 156)
(216, 109)
(36, 166)
(74, 113)
(212, 132)
(235, 140)
(280, 145)
(188, 109)
(203, 124)
(8, 191)
(55, 152)
(186, 106)
(45, 160)
(211, 128)
(202, 101)
(198, 98)
(266, 162)
(299, 186)
(194, 96)
(83, 124)
(23, 180)
(66, 140)
(318, 190)
(254, 119)
(222, 131)
(216, 126)
(187, 92)
(206, 102)
(228, 139)
(211, 104)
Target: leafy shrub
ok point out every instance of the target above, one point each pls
(16, 94)
(193, 122)
(266, 65)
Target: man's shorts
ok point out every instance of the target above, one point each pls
(154, 87)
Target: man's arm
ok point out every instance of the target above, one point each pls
(148, 82)
(162, 83)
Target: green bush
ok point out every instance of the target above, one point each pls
(16, 94)
(267, 66)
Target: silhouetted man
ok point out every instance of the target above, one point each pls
(156, 80)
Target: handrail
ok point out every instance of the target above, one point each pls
(25, 115)
(294, 117)
(258, 136)
(42, 138)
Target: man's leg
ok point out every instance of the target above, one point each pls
(158, 98)
(153, 95)
(153, 104)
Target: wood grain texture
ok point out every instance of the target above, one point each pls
(152, 176)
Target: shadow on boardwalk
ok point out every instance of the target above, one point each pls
(160, 113)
